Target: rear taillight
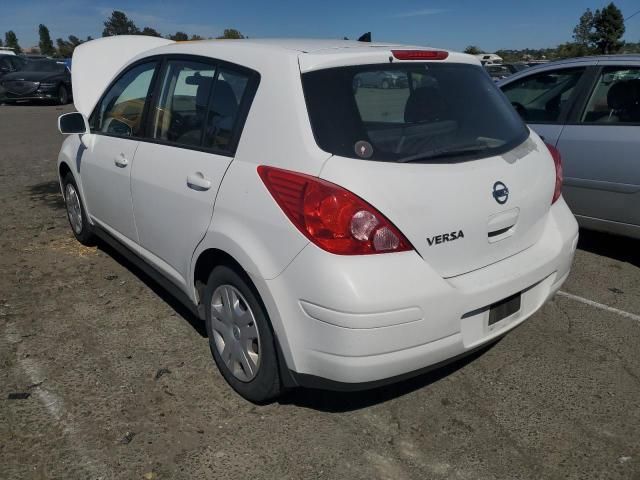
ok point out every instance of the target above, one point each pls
(331, 217)
(557, 161)
(420, 54)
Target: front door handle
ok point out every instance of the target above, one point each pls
(198, 181)
(121, 161)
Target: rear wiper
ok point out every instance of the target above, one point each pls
(469, 148)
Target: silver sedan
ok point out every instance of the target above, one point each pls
(589, 108)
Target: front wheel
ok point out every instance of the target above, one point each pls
(240, 335)
(76, 212)
(63, 95)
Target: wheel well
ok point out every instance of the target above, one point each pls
(63, 170)
(207, 261)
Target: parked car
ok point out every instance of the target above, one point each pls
(497, 71)
(38, 80)
(328, 236)
(380, 79)
(589, 108)
(9, 63)
(6, 51)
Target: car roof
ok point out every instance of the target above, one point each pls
(311, 54)
(585, 61)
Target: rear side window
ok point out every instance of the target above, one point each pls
(541, 98)
(180, 113)
(410, 112)
(120, 110)
(616, 98)
(224, 112)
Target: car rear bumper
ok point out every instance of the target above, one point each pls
(363, 319)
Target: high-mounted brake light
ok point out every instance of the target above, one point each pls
(331, 217)
(557, 161)
(420, 54)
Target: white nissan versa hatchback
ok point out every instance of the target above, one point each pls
(331, 232)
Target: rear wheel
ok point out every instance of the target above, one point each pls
(240, 335)
(63, 95)
(76, 212)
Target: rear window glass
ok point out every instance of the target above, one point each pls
(411, 112)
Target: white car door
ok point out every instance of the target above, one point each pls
(194, 127)
(105, 165)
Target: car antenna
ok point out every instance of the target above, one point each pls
(365, 37)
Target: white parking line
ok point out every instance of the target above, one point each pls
(601, 306)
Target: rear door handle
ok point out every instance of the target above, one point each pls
(121, 161)
(198, 181)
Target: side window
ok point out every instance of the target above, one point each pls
(120, 111)
(224, 111)
(5, 63)
(616, 97)
(540, 98)
(181, 110)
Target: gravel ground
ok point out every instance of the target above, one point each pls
(119, 381)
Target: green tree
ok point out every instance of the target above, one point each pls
(608, 25)
(1, 44)
(583, 31)
(45, 44)
(66, 47)
(473, 50)
(119, 24)
(11, 41)
(196, 37)
(231, 33)
(150, 32)
(179, 37)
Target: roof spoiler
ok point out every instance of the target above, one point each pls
(96, 63)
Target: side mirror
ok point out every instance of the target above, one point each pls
(73, 123)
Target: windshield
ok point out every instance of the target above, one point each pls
(43, 66)
(410, 112)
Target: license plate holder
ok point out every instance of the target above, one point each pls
(504, 308)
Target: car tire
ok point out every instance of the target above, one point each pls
(76, 213)
(240, 335)
(63, 95)
(385, 84)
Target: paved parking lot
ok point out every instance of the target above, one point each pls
(105, 376)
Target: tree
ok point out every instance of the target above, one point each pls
(11, 41)
(608, 25)
(45, 44)
(66, 47)
(1, 44)
(150, 32)
(583, 31)
(179, 37)
(231, 33)
(196, 37)
(473, 50)
(119, 24)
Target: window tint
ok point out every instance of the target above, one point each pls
(179, 116)
(540, 98)
(616, 98)
(410, 112)
(222, 117)
(120, 111)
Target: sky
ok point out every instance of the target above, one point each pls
(452, 24)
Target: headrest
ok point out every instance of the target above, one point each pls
(224, 100)
(624, 94)
(424, 104)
